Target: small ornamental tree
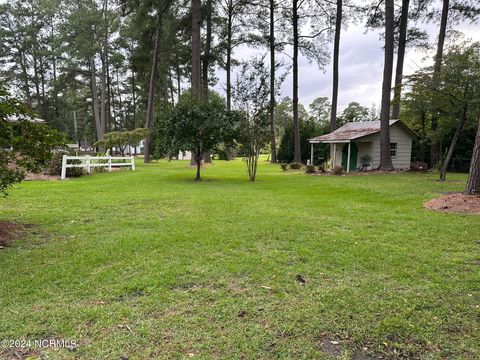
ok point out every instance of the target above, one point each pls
(24, 145)
(251, 96)
(121, 139)
(199, 126)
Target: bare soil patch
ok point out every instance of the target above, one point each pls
(455, 203)
(10, 231)
(41, 177)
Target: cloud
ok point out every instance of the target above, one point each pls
(360, 68)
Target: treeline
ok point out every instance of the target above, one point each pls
(94, 66)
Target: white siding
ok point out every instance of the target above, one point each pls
(338, 160)
(404, 147)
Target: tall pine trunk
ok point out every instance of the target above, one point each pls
(196, 63)
(402, 41)
(473, 182)
(208, 45)
(99, 126)
(273, 144)
(296, 122)
(228, 64)
(152, 88)
(336, 54)
(385, 156)
(434, 151)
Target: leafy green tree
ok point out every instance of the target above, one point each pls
(454, 93)
(309, 128)
(320, 109)
(24, 145)
(199, 126)
(121, 139)
(354, 112)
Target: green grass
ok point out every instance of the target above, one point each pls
(150, 264)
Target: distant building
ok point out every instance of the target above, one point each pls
(362, 140)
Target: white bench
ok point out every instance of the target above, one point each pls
(89, 162)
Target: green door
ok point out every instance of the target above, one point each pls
(353, 156)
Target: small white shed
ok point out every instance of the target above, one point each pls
(354, 140)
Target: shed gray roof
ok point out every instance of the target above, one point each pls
(355, 130)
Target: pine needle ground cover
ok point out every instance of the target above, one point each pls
(150, 265)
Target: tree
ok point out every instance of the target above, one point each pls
(336, 56)
(163, 7)
(251, 94)
(320, 109)
(461, 9)
(196, 50)
(24, 146)
(354, 112)
(199, 126)
(385, 156)
(305, 13)
(402, 41)
(121, 139)
(233, 33)
(473, 182)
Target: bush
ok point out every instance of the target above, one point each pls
(54, 165)
(338, 170)
(295, 166)
(366, 160)
(284, 166)
(310, 169)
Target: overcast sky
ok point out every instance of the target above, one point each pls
(361, 67)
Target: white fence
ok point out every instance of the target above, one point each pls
(89, 162)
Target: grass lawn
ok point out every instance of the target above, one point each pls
(150, 264)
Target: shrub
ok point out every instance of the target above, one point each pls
(366, 160)
(310, 169)
(295, 166)
(338, 170)
(54, 165)
(284, 166)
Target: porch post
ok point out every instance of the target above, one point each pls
(311, 153)
(348, 159)
(334, 155)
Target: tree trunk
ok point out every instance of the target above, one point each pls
(336, 54)
(434, 151)
(26, 85)
(36, 81)
(196, 73)
(456, 136)
(134, 100)
(179, 76)
(385, 156)
(228, 65)
(273, 144)
(93, 87)
(103, 84)
(151, 89)
(473, 182)
(296, 123)
(402, 41)
(208, 45)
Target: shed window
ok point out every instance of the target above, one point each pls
(393, 149)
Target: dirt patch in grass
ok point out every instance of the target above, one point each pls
(40, 177)
(456, 203)
(18, 354)
(10, 231)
